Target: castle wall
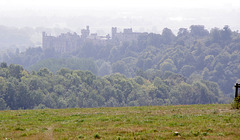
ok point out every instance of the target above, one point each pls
(123, 37)
(127, 35)
(63, 43)
(69, 42)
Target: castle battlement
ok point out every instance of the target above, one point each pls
(68, 42)
(127, 35)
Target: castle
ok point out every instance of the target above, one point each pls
(127, 35)
(71, 41)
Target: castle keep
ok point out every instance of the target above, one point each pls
(69, 42)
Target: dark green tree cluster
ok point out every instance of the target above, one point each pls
(20, 89)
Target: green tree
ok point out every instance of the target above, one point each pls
(15, 71)
(168, 65)
(226, 33)
(105, 69)
(3, 87)
(187, 70)
(37, 97)
(203, 95)
(198, 30)
(3, 65)
(167, 36)
(182, 32)
(22, 96)
(11, 96)
(215, 35)
(183, 93)
(119, 67)
(44, 72)
(3, 104)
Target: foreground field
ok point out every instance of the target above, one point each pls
(152, 122)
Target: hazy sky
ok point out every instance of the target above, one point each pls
(89, 4)
(143, 15)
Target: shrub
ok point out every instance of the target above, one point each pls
(236, 103)
(97, 136)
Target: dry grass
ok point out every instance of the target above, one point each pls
(152, 122)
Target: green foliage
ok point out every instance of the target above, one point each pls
(168, 65)
(167, 36)
(198, 30)
(15, 71)
(75, 88)
(97, 136)
(3, 104)
(119, 67)
(54, 64)
(236, 103)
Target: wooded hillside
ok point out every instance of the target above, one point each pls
(195, 53)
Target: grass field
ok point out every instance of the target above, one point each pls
(216, 121)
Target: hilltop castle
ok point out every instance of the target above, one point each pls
(71, 41)
(127, 35)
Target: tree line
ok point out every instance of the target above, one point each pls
(20, 89)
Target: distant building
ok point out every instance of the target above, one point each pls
(127, 35)
(62, 43)
(85, 32)
(69, 42)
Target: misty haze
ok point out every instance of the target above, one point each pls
(94, 54)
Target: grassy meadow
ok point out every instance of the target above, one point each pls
(214, 121)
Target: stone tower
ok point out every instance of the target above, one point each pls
(44, 40)
(114, 32)
(85, 32)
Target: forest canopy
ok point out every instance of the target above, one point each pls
(75, 88)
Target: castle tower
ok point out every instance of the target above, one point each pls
(88, 28)
(43, 39)
(114, 32)
(85, 32)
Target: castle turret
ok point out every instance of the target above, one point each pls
(43, 34)
(127, 31)
(88, 28)
(114, 32)
(85, 32)
(43, 39)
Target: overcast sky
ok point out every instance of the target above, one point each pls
(145, 15)
(40, 4)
